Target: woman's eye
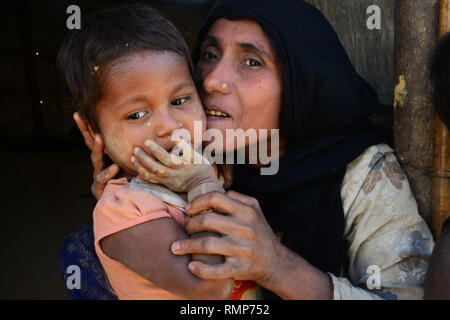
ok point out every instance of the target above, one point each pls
(252, 63)
(180, 101)
(137, 115)
(209, 55)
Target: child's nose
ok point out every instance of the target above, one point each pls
(166, 124)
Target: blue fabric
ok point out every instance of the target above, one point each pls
(78, 249)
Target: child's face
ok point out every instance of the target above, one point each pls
(146, 96)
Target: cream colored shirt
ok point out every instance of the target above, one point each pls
(389, 243)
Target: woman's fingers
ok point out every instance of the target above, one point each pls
(219, 202)
(243, 198)
(83, 127)
(214, 222)
(203, 245)
(102, 178)
(98, 155)
(105, 175)
(101, 175)
(211, 272)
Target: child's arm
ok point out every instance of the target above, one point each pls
(145, 249)
(195, 179)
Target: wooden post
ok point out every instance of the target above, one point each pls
(416, 28)
(441, 176)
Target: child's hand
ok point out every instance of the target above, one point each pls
(175, 172)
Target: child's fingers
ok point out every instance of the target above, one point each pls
(149, 163)
(188, 151)
(168, 159)
(144, 173)
(190, 154)
(83, 127)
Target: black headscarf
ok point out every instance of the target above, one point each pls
(323, 117)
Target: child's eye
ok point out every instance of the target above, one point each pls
(252, 63)
(137, 115)
(180, 101)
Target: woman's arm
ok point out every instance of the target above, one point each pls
(251, 250)
(389, 242)
(145, 249)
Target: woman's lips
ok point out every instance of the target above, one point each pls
(212, 114)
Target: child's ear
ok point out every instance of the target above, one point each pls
(97, 138)
(86, 130)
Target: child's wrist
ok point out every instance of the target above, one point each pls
(204, 188)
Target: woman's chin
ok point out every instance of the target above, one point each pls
(219, 123)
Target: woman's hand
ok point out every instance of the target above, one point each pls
(95, 144)
(251, 250)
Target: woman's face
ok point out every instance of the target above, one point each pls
(242, 78)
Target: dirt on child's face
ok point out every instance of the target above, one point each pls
(146, 96)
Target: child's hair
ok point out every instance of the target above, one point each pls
(86, 54)
(440, 78)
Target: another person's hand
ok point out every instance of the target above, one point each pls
(177, 173)
(96, 145)
(251, 249)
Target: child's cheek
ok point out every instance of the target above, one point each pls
(118, 153)
(200, 116)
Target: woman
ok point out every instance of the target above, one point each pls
(340, 204)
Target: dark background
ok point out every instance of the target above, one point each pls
(46, 167)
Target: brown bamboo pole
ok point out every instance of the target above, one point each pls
(416, 31)
(441, 177)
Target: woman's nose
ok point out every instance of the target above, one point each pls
(217, 79)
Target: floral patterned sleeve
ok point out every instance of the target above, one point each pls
(389, 244)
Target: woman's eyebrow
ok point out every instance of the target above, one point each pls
(245, 45)
(254, 47)
(212, 39)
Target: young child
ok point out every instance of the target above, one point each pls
(437, 285)
(130, 74)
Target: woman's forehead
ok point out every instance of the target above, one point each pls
(226, 31)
